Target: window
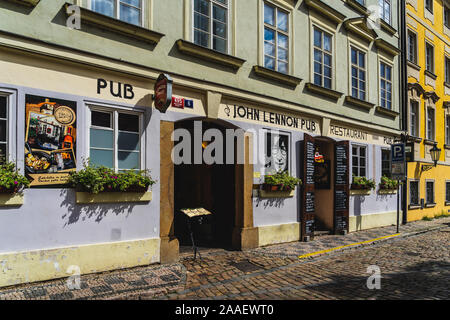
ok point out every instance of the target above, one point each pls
(446, 17)
(412, 47)
(277, 152)
(429, 56)
(430, 124)
(386, 85)
(447, 191)
(115, 140)
(358, 73)
(447, 69)
(126, 10)
(430, 192)
(414, 192)
(361, 2)
(359, 161)
(385, 10)
(3, 129)
(323, 50)
(429, 5)
(276, 39)
(386, 162)
(414, 116)
(211, 24)
(447, 130)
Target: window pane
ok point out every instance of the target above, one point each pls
(354, 56)
(101, 119)
(362, 60)
(3, 124)
(105, 7)
(362, 152)
(136, 3)
(269, 15)
(388, 73)
(283, 67)
(327, 59)
(128, 160)
(269, 63)
(201, 6)
(317, 38)
(219, 44)
(382, 73)
(317, 79)
(269, 35)
(101, 139)
(327, 83)
(130, 14)
(327, 72)
(3, 107)
(327, 42)
(219, 29)
(128, 122)
(269, 49)
(282, 21)
(102, 158)
(2, 153)
(128, 141)
(201, 22)
(317, 67)
(201, 38)
(317, 55)
(220, 14)
(283, 41)
(282, 54)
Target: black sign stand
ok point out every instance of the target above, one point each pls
(191, 232)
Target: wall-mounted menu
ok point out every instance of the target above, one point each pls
(341, 223)
(309, 202)
(309, 226)
(341, 165)
(309, 162)
(340, 200)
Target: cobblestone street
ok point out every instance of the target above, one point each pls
(414, 265)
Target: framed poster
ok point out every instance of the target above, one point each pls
(50, 140)
(276, 152)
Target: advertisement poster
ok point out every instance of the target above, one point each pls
(50, 140)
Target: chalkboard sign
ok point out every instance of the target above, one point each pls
(309, 226)
(309, 202)
(341, 165)
(309, 160)
(341, 223)
(341, 200)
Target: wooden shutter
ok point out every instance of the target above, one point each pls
(341, 187)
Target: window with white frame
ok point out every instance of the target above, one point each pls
(429, 192)
(412, 47)
(385, 10)
(429, 5)
(323, 58)
(359, 157)
(414, 192)
(430, 123)
(211, 24)
(447, 191)
(3, 129)
(429, 57)
(126, 10)
(414, 118)
(446, 16)
(276, 38)
(358, 73)
(447, 130)
(115, 139)
(447, 69)
(385, 85)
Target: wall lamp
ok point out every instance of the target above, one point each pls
(435, 153)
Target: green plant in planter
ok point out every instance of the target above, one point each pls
(95, 179)
(388, 183)
(362, 183)
(11, 181)
(281, 180)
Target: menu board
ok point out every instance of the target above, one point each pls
(309, 202)
(340, 200)
(309, 162)
(341, 165)
(309, 226)
(341, 222)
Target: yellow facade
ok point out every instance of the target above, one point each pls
(429, 91)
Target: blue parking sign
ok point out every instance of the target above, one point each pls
(398, 152)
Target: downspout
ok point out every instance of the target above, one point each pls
(404, 97)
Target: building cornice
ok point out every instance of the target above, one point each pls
(360, 27)
(325, 10)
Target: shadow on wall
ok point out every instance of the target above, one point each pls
(74, 212)
(357, 204)
(16, 7)
(270, 202)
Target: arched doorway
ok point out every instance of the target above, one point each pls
(209, 186)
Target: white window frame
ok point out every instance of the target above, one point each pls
(382, 17)
(415, 46)
(389, 64)
(426, 191)
(117, 10)
(389, 152)
(359, 146)
(11, 129)
(429, 107)
(417, 112)
(323, 29)
(115, 128)
(355, 46)
(447, 188)
(447, 129)
(277, 31)
(446, 69)
(430, 9)
(418, 192)
(211, 36)
(428, 44)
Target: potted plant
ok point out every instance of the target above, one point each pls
(388, 183)
(11, 181)
(362, 183)
(280, 181)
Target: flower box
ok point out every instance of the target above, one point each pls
(387, 191)
(113, 197)
(11, 199)
(360, 192)
(276, 194)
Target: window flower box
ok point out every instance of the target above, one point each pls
(362, 186)
(387, 186)
(279, 185)
(113, 197)
(11, 185)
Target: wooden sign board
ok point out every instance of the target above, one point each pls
(197, 212)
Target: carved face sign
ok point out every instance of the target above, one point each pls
(277, 152)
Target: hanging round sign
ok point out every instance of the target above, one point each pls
(65, 115)
(163, 92)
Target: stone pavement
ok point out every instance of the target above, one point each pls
(414, 265)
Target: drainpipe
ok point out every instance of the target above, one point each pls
(403, 97)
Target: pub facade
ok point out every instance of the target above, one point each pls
(87, 93)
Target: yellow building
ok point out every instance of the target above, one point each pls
(428, 111)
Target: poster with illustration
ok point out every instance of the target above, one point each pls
(50, 140)
(277, 152)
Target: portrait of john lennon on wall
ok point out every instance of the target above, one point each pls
(276, 152)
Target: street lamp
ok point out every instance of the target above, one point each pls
(435, 153)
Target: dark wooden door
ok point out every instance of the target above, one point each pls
(341, 187)
(308, 205)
